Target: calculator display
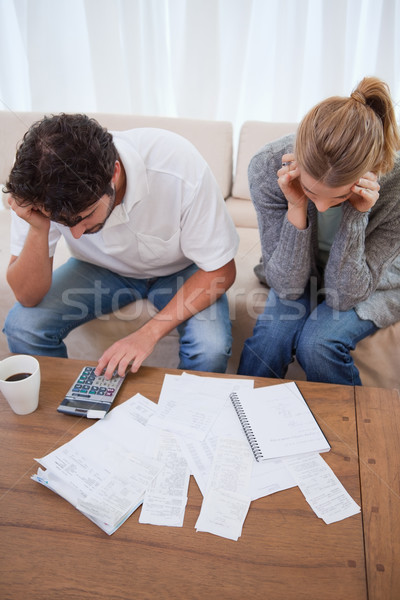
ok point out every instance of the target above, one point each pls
(90, 395)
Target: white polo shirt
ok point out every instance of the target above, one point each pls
(173, 213)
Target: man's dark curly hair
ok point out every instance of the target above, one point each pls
(64, 164)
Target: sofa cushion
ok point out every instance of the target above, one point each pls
(253, 136)
(242, 212)
(247, 295)
(217, 153)
(378, 358)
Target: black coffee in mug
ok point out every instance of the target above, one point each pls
(18, 376)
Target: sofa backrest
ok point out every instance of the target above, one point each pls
(213, 139)
(253, 136)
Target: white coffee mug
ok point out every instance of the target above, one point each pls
(20, 382)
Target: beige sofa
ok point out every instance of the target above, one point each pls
(378, 357)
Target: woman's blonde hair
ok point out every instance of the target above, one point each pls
(340, 139)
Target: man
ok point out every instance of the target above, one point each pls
(143, 217)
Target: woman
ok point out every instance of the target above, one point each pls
(328, 207)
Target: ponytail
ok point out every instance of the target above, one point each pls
(376, 94)
(340, 139)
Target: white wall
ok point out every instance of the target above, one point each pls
(232, 60)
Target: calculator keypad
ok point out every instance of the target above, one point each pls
(93, 387)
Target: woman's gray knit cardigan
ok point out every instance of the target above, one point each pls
(363, 269)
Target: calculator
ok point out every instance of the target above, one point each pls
(91, 395)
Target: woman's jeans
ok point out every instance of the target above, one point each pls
(321, 338)
(82, 291)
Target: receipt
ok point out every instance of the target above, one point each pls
(223, 513)
(321, 488)
(165, 501)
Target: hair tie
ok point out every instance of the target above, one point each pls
(358, 97)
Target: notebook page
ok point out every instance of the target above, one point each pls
(280, 421)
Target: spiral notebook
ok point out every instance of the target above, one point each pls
(278, 422)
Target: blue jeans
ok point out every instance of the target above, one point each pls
(82, 291)
(320, 337)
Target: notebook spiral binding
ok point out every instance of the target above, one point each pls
(246, 427)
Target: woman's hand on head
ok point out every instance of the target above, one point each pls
(365, 192)
(289, 182)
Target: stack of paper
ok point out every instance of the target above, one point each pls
(144, 453)
(105, 471)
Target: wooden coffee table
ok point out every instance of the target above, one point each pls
(48, 550)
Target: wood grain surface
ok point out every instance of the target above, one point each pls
(378, 422)
(49, 550)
